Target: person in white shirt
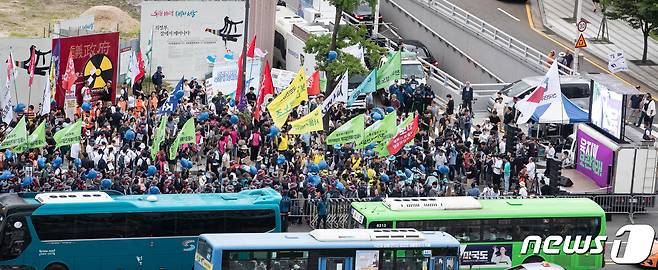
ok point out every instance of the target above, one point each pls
(523, 191)
(75, 151)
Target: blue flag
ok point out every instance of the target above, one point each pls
(368, 85)
(172, 101)
(55, 59)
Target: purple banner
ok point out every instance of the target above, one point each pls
(593, 158)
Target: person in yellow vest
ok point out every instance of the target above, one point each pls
(355, 161)
(122, 104)
(283, 142)
(154, 101)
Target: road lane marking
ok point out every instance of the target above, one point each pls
(510, 15)
(532, 26)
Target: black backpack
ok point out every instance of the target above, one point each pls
(102, 164)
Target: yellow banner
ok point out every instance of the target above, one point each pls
(288, 99)
(308, 123)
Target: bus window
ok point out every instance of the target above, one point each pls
(284, 260)
(99, 226)
(388, 260)
(151, 224)
(15, 237)
(497, 230)
(532, 226)
(246, 260)
(411, 259)
(54, 227)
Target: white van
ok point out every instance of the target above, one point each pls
(410, 66)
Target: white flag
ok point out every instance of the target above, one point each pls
(338, 95)
(45, 101)
(5, 96)
(617, 62)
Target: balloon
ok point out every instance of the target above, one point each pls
(234, 119)
(86, 107)
(377, 116)
(106, 183)
(41, 162)
(232, 102)
(422, 168)
(408, 173)
(314, 180)
(443, 169)
(151, 170)
(57, 162)
(253, 170)
(313, 168)
(332, 55)
(186, 164)
(384, 178)
(154, 190)
(77, 162)
(179, 94)
(91, 174)
(280, 160)
(8, 153)
(129, 135)
(203, 116)
(6, 175)
(371, 145)
(322, 164)
(390, 109)
(340, 186)
(26, 181)
(228, 56)
(274, 131)
(20, 107)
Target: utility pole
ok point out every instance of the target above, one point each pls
(375, 21)
(576, 52)
(245, 38)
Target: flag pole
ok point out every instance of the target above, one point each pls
(150, 52)
(13, 73)
(245, 38)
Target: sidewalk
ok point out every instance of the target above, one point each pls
(621, 36)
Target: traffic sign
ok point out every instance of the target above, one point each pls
(581, 42)
(582, 25)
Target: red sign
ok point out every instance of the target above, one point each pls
(96, 61)
(403, 137)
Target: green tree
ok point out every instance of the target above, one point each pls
(639, 14)
(347, 36)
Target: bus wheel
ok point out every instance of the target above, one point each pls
(533, 259)
(56, 266)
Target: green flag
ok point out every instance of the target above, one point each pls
(68, 135)
(390, 71)
(351, 131)
(185, 135)
(17, 136)
(381, 148)
(159, 136)
(378, 131)
(38, 137)
(323, 81)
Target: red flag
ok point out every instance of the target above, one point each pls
(10, 70)
(266, 88)
(69, 78)
(140, 64)
(403, 137)
(33, 62)
(313, 84)
(250, 53)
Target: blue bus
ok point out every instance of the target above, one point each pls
(329, 249)
(105, 230)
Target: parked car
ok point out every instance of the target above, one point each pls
(363, 14)
(575, 88)
(537, 266)
(421, 51)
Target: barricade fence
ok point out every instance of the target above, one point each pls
(339, 215)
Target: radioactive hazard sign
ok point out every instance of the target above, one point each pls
(580, 43)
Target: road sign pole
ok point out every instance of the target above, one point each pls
(579, 11)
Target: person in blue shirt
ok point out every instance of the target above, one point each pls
(284, 207)
(408, 93)
(321, 204)
(394, 89)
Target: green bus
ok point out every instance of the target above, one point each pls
(492, 231)
(107, 230)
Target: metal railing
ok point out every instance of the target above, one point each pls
(492, 34)
(435, 34)
(339, 213)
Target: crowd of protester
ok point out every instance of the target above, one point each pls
(452, 154)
